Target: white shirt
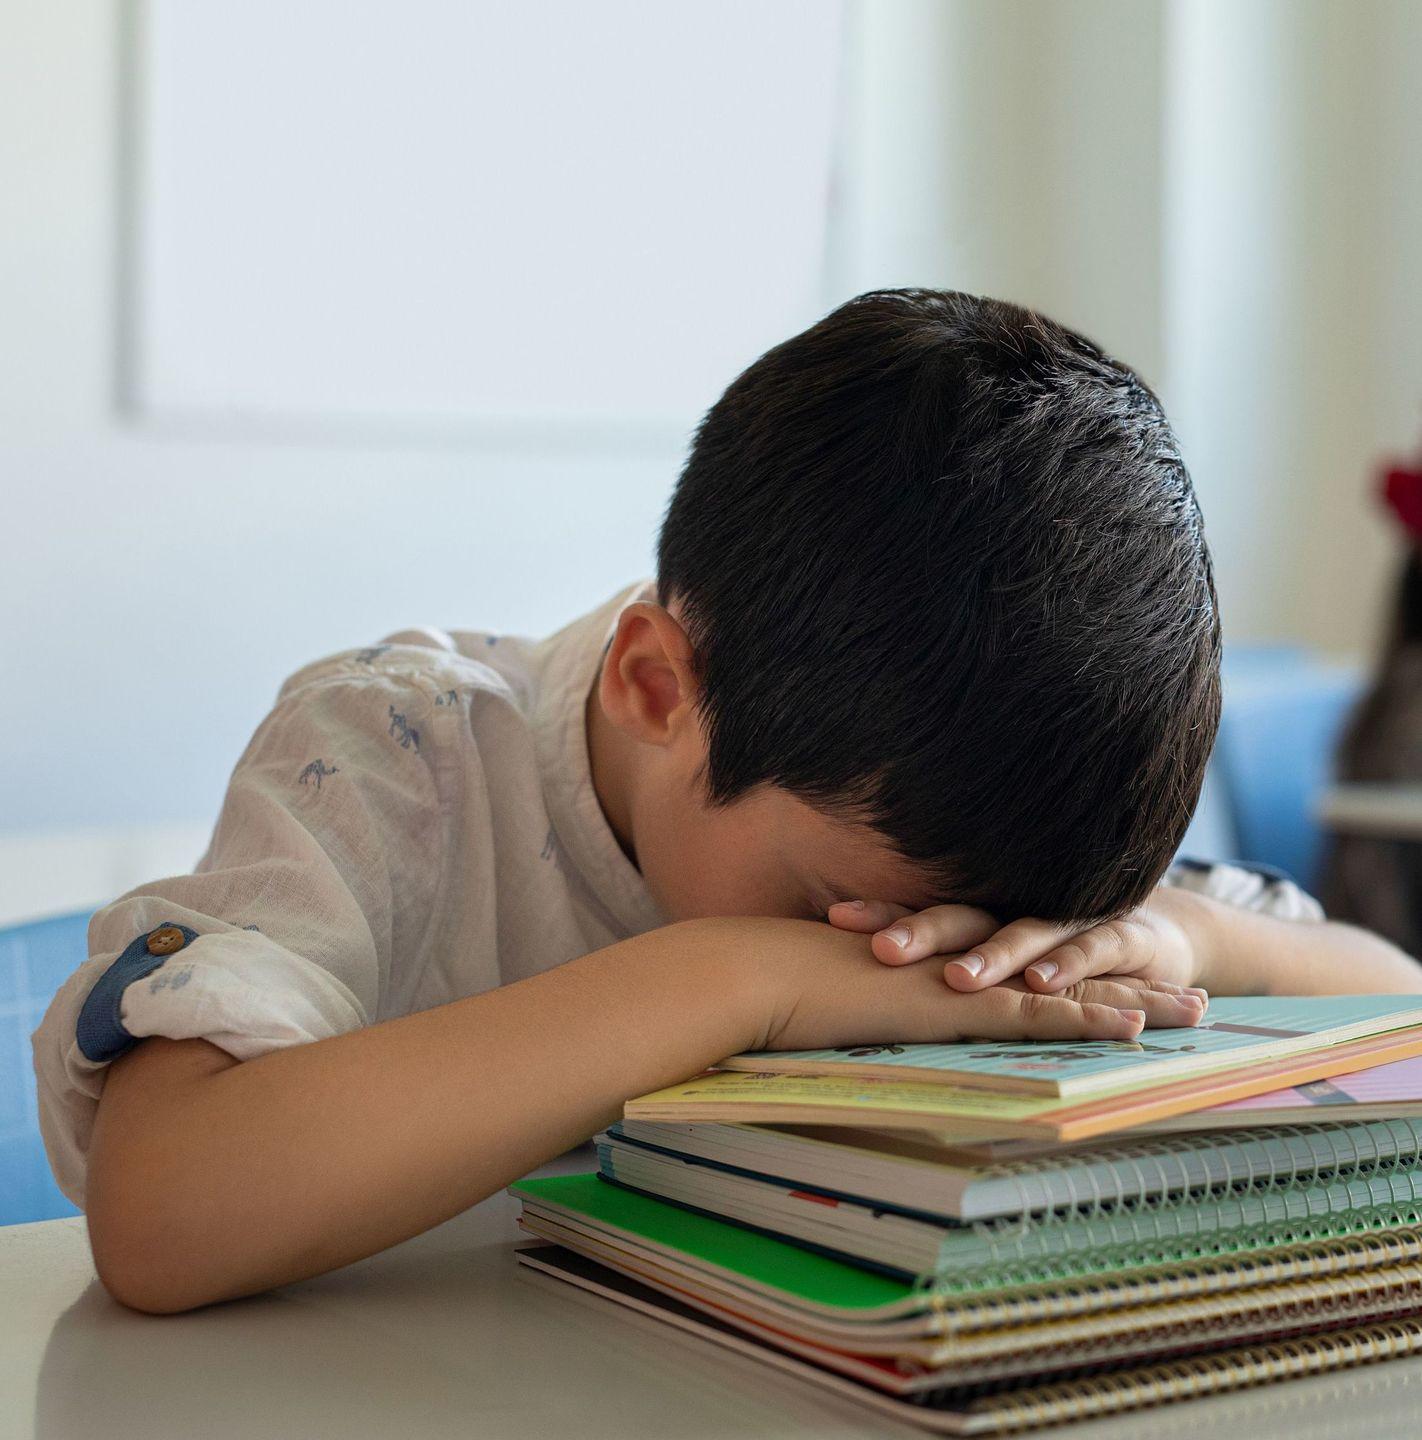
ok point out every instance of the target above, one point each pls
(413, 823)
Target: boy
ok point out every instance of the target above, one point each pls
(933, 631)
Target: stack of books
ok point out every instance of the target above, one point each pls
(990, 1236)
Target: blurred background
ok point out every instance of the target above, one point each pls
(319, 320)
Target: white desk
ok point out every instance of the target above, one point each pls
(445, 1336)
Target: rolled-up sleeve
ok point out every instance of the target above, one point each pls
(324, 865)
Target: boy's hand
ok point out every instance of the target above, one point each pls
(1153, 944)
(826, 990)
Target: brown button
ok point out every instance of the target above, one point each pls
(165, 939)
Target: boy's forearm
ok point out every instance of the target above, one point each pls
(315, 1156)
(1245, 953)
(210, 1179)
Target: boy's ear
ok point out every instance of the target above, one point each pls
(648, 686)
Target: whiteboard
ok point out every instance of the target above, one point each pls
(441, 212)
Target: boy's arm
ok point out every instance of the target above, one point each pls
(210, 1179)
(1181, 937)
(1241, 952)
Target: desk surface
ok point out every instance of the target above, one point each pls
(445, 1336)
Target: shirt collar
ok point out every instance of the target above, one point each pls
(568, 662)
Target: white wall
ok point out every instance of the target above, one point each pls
(158, 580)
(1228, 195)
(1294, 315)
(1227, 192)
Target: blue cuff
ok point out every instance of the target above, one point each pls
(99, 1032)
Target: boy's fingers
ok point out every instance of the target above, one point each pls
(865, 916)
(1165, 987)
(1004, 952)
(1004, 1013)
(939, 930)
(1164, 1009)
(1114, 946)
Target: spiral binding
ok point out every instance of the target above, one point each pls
(1365, 1177)
(957, 1382)
(987, 1343)
(1172, 1245)
(1239, 1160)
(1209, 1275)
(1190, 1376)
(1265, 1188)
(1190, 1325)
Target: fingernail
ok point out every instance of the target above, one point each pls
(1191, 1000)
(900, 935)
(853, 904)
(1044, 969)
(1204, 995)
(970, 964)
(1138, 1016)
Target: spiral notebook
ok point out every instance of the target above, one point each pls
(977, 1298)
(1008, 1408)
(904, 1359)
(1041, 1353)
(992, 1362)
(912, 1174)
(1087, 1240)
(798, 1286)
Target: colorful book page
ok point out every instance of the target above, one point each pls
(1393, 1084)
(1237, 1030)
(960, 1115)
(860, 1097)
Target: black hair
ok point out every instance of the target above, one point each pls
(944, 573)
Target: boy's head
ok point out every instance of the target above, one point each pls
(938, 616)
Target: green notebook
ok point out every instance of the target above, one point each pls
(1238, 1030)
(806, 1277)
(760, 1258)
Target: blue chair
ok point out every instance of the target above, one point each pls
(35, 959)
(1284, 711)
